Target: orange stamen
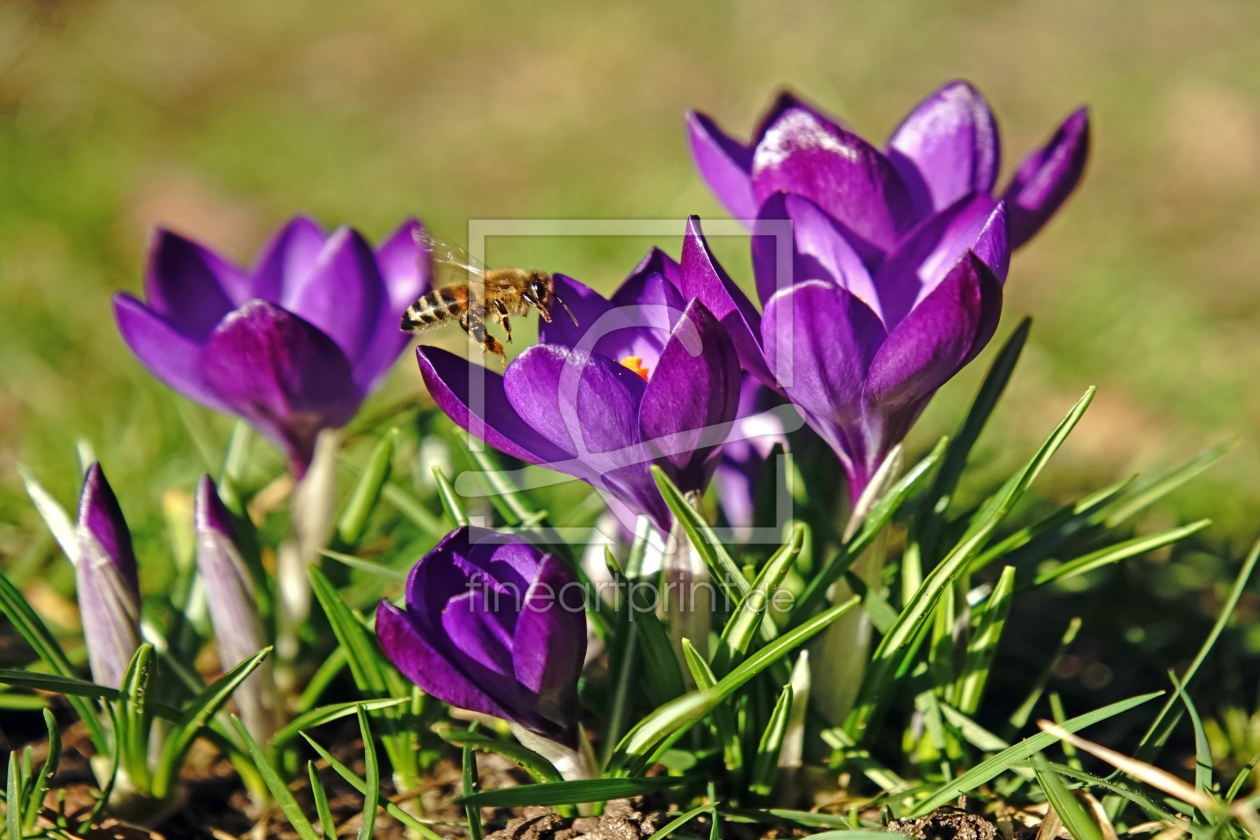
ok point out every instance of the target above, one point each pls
(635, 364)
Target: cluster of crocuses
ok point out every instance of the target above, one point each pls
(879, 274)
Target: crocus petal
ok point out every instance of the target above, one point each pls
(282, 374)
(474, 626)
(653, 304)
(584, 404)
(947, 147)
(936, 339)
(837, 170)
(452, 380)
(343, 295)
(691, 399)
(1047, 177)
(164, 350)
(975, 222)
(549, 644)
(724, 164)
(105, 575)
(820, 341)
(188, 285)
(704, 278)
(820, 250)
(405, 267)
(424, 663)
(588, 307)
(288, 258)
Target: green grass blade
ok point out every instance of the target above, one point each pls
(537, 766)
(723, 570)
(984, 644)
(679, 821)
(37, 635)
(766, 764)
(742, 625)
(471, 786)
(1241, 778)
(284, 798)
(1150, 744)
(975, 734)
(361, 786)
(326, 824)
(1119, 551)
(569, 793)
(134, 716)
(1202, 752)
(367, 491)
(506, 497)
(408, 506)
(877, 608)
(36, 800)
(366, 566)
(197, 716)
(53, 514)
(325, 674)
(69, 686)
(13, 800)
(326, 714)
(1144, 496)
(1075, 819)
(723, 718)
(1019, 718)
(362, 653)
(932, 517)
(994, 766)
(848, 751)
(674, 718)
(815, 592)
(452, 505)
(371, 796)
(890, 653)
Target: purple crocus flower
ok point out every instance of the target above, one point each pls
(946, 149)
(754, 434)
(493, 625)
(232, 598)
(644, 379)
(292, 344)
(107, 582)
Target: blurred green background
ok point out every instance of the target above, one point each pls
(222, 119)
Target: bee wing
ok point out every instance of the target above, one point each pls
(448, 253)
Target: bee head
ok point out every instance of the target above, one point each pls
(538, 288)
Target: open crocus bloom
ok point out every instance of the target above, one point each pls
(946, 148)
(493, 625)
(294, 343)
(643, 379)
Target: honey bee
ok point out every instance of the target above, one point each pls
(496, 294)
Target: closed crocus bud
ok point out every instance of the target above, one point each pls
(493, 625)
(109, 592)
(232, 600)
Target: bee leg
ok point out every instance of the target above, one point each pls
(503, 319)
(476, 328)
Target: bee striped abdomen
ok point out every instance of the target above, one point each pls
(440, 306)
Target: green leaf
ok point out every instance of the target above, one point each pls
(452, 505)
(325, 674)
(45, 645)
(892, 649)
(367, 566)
(766, 764)
(531, 762)
(881, 513)
(326, 714)
(994, 766)
(1119, 551)
(848, 751)
(1143, 496)
(471, 786)
(289, 805)
(51, 762)
(134, 717)
(742, 625)
(673, 719)
(327, 826)
(506, 497)
(936, 503)
(1074, 817)
(358, 784)
(197, 716)
(877, 609)
(722, 569)
(569, 793)
(1202, 752)
(679, 821)
(372, 795)
(407, 505)
(975, 734)
(367, 491)
(723, 717)
(53, 514)
(362, 653)
(13, 800)
(984, 644)
(69, 686)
